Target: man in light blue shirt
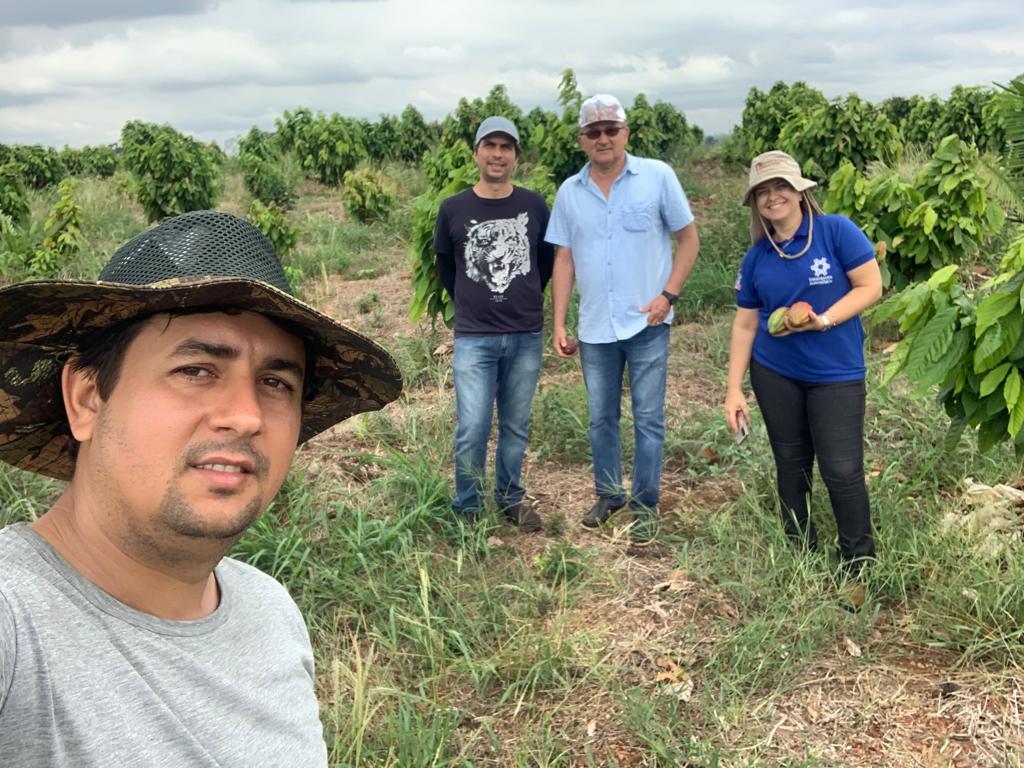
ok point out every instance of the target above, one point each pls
(612, 225)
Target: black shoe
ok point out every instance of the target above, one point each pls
(600, 512)
(525, 517)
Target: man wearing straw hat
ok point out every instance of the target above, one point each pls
(171, 395)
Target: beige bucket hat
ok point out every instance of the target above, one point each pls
(776, 164)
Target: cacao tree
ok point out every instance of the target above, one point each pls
(843, 129)
(450, 169)
(940, 217)
(367, 195)
(174, 173)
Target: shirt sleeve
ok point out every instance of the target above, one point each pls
(746, 294)
(851, 246)
(545, 250)
(444, 249)
(8, 649)
(675, 207)
(558, 225)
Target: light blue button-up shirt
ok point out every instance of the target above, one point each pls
(621, 245)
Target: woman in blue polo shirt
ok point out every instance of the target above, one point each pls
(808, 380)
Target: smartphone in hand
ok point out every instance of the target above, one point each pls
(742, 427)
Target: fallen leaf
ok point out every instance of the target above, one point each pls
(683, 690)
(851, 647)
(591, 729)
(494, 541)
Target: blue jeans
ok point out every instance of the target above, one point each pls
(502, 368)
(646, 356)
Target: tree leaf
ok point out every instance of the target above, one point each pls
(1016, 418)
(931, 343)
(992, 308)
(993, 379)
(1012, 388)
(997, 342)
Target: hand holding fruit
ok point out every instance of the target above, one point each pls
(564, 344)
(798, 317)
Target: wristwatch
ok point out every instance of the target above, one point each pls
(672, 297)
(826, 322)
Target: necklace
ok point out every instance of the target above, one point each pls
(780, 247)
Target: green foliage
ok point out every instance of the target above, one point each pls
(416, 136)
(939, 218)
(450, 169)
(100, 161)
(469, 114)
(970, 112)
(23, 252)
(555, 139)
(39, 166)
(382, 138)
(766, 114)
(267, 181)
(920, 124)
(263, 173)
(326, 147)
(367, 195)
(63, 238)
(13, 198)
(969, 344)
(1009, 106)
(843, 129)
(272, 222)
(967, 115)
(174, 173)
(660, 131)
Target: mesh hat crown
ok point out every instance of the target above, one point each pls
(202, 259)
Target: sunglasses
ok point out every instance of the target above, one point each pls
(595, 133)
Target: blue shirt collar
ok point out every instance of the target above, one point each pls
(630, 167)
(800, 234)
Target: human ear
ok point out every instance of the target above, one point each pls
(82, 400)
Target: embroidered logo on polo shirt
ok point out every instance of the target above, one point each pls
(820, 267)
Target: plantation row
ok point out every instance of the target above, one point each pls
(930, 182)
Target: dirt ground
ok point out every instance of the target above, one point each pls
(911, 707)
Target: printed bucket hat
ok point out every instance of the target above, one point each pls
(775, 165)
(601, 108)
(201, 259)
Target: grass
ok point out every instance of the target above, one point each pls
(444, 644)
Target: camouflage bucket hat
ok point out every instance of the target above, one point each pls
(201, 259)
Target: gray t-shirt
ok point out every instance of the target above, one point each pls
(87, 681)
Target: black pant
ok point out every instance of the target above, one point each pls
(808, 419)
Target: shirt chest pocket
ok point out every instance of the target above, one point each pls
(638, 217)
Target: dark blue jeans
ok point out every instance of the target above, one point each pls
(808, 420)
(646, 356)
(500, 369)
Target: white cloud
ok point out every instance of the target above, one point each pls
(231, 64)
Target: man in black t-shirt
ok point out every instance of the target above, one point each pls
(492, 259)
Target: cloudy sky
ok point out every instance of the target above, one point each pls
(74, 71)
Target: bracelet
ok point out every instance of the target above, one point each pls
(672, 298)
(826, 322)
